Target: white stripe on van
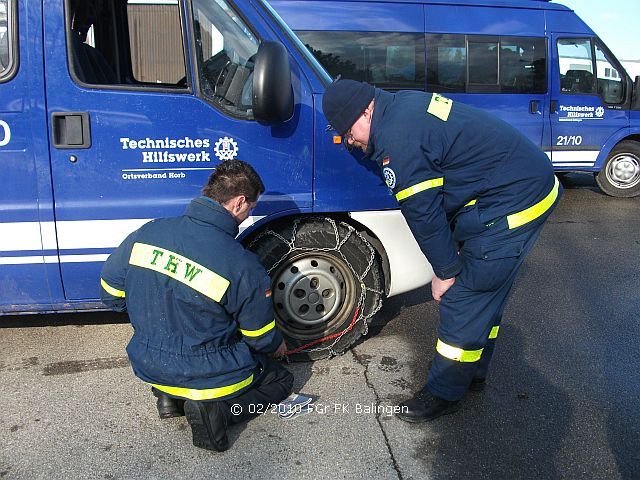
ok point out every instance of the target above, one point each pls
(20, 236)
(75, 235)
(576, 157)
(39, 259)
(72, 235)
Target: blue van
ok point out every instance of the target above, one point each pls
(535, 64)
(115, 112)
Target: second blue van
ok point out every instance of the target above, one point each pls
(535, 64)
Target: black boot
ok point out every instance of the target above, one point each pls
(424, 407)
(168, 407)
(208, 425)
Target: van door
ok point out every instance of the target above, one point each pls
(587, 103)
(135, 135)
(25, 190)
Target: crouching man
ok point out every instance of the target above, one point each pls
(200, 306)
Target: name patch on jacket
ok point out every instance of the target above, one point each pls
(440, 107)
(179, 268)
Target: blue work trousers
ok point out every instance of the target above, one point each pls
(471, 310)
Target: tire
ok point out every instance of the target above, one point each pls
(620, 174)
(315, 291)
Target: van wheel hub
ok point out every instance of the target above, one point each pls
(309, 290)
(624, 171)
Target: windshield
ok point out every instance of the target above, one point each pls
(311, 60)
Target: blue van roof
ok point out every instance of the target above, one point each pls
(531, 4)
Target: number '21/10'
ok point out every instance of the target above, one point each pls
(569, 140)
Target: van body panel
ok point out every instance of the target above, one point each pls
(514, 109)
(566, 21)
(331, 15)
(611, 142)
(343, 178)
(407, 265)
(483, 20)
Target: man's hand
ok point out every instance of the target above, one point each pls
(440, 287)
(281, 350)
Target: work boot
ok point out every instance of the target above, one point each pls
(424, 407)
(168, 407)
(477, 384)
(208, 425)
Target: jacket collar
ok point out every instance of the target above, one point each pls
(211, 212)
(382, 101)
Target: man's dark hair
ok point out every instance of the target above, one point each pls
(231, 179)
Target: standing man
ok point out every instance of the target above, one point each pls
(200, 306)
(475, 193)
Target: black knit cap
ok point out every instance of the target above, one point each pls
(344, 101)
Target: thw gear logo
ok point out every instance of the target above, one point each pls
(226, 148)
(599, 112)
(389, 177)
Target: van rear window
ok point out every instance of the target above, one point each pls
(388, 60)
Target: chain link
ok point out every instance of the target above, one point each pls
(291, 244)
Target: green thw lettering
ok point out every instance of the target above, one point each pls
(192, 271)
(172, 264)
(156, 254)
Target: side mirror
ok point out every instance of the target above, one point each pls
(635, 96)
(272, 92)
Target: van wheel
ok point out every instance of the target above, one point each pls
(620, 175)
(326, 284)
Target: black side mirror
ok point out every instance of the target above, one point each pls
(635, 96)
(272, 92)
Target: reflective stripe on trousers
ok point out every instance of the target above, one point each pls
(205, 394)
(461, 355)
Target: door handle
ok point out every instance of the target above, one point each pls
(553, 106)
(534, 107)
(70, 130)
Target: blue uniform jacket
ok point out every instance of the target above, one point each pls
(440, 157)
(199, 303)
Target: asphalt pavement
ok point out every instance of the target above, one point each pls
(562, 399)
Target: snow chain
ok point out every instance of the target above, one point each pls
(359, 315)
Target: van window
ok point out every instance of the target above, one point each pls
(576, 66)
(610, 86)
(483, 62)
(474, 64)
(8, 38)
(392, 61)
(523, 65)
(446, 63)
(138, 43)
(225, 53)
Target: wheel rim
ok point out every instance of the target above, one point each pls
(623, 171)
(312, 293)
